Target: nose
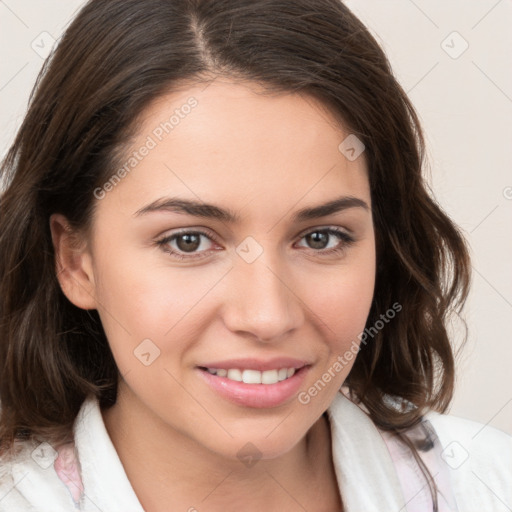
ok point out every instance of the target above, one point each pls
(261, 301)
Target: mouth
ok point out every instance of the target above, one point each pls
(266, 387)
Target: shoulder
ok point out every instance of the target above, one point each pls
(36, 477)
(479, 461)
(463, 440)
(41, 476)
(84, 474)
(14, 467)
(470, 462)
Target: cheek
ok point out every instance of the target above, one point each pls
(341, 304)
(157, 303)
(342, 298)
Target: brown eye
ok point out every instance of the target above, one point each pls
(327, 238)
(317, 239)
(188, 242)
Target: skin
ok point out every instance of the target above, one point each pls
(263, 157)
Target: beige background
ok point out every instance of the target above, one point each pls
(464, 98)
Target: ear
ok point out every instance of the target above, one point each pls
(73, 263)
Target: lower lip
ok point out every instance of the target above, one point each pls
(259, 396)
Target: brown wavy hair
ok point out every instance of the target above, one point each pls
(113, 60)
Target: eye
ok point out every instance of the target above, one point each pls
(196, 243)
(187, 244)
(327, 240)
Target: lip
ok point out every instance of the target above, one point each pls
(258, 396)
(257, 364)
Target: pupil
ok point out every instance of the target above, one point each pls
(318, 240)
(188, 243)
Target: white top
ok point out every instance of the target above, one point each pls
(471, 463)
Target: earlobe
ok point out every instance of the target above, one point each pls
(72, 263)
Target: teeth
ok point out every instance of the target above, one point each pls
(254, 376)
(235, 374)
(269, 377)
(251, 376)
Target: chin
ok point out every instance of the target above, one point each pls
(260, 443)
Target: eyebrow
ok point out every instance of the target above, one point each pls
(199, 209)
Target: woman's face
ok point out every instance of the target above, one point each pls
(238, 239)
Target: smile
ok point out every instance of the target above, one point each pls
(253, 388)
(253, 376)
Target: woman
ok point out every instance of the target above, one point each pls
(214, 218)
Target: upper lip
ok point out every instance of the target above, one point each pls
(257, 364)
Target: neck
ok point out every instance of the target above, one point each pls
(169, 470)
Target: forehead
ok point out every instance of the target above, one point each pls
(236, 143)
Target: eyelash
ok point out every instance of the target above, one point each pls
(340, 248)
